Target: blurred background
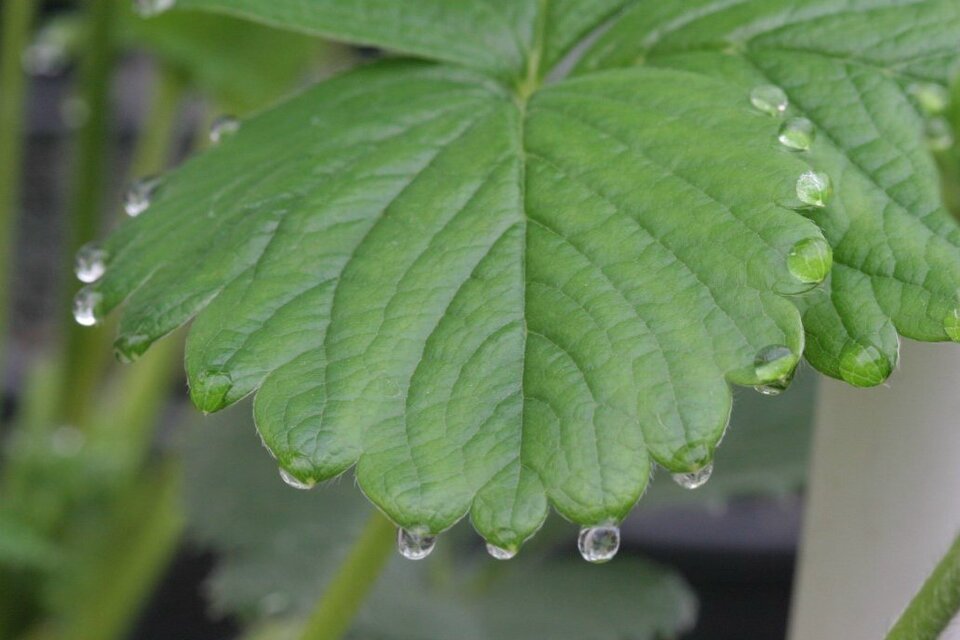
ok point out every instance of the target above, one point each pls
(125, 514)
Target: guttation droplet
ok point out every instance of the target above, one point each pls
(814, 188)
(147, 8)
(770, 99)
(293, 481)
(864, 365)
(415, 544)
(499, 553)
(951, 325)
(775, 365)
(694, 479)
(139, 195)
(85, 307)
(223, 127)
(797, 134)
(600, 543)
(91, 263)
(810, 260)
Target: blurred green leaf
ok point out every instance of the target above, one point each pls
(23, 547)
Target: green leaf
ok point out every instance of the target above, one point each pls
(502, 305)
(497, 36)
(242, 65)
(493, 297)
(896, 264)
(279, 547)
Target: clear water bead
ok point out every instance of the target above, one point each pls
(951, 324)
(694, 479)
(147, 8)
(814, 188)
(770, 99)
(415, 544)
(90, 264)
(223, 127)
(499, 553)
(85, 307)
(139, 195)
(775, 365)
(810, 260)
(864, 365)
(797, 134)
(599, 544)
(294, 482)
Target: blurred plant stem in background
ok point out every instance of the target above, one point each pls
(77, 478)
(15, 20)
(84, 356)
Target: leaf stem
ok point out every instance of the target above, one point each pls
(339, 605)
(16, 19)
(935, 605)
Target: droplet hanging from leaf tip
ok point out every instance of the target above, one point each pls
(223, 127)
(147, 8)
(774, 366)
(694, 479)
(140, 194)
(293, 481)
(209, 390)
(499, 553)
(814, 188)
(797, 134)
(600, 543)
(85, 305)
(864, 365)
(90, 263)
(951, 325)
(810, 260)
(415, 544)
(770, 99)
(129, 347)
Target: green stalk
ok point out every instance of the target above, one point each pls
(16, 17)
(90, 162)
(356, 576)
(938, 601)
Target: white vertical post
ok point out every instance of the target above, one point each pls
(883, 498)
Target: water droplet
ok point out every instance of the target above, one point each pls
(499, 553)
(932, 99)
(864, 365)
(147, 8)
(810, 260)
(951, 325)
(600, 543)
(91, 263)
(770, 99)
(295, 482)
(223, 127)
(130, 346)
(814, 188)
(797, 134)
(140, 194)
(694, 479)
(210, 390)
(939, 134)
(415, 544)
(85, 305)
(774, 366)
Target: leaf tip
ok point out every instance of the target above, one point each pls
(209, 390)
(864, 365)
